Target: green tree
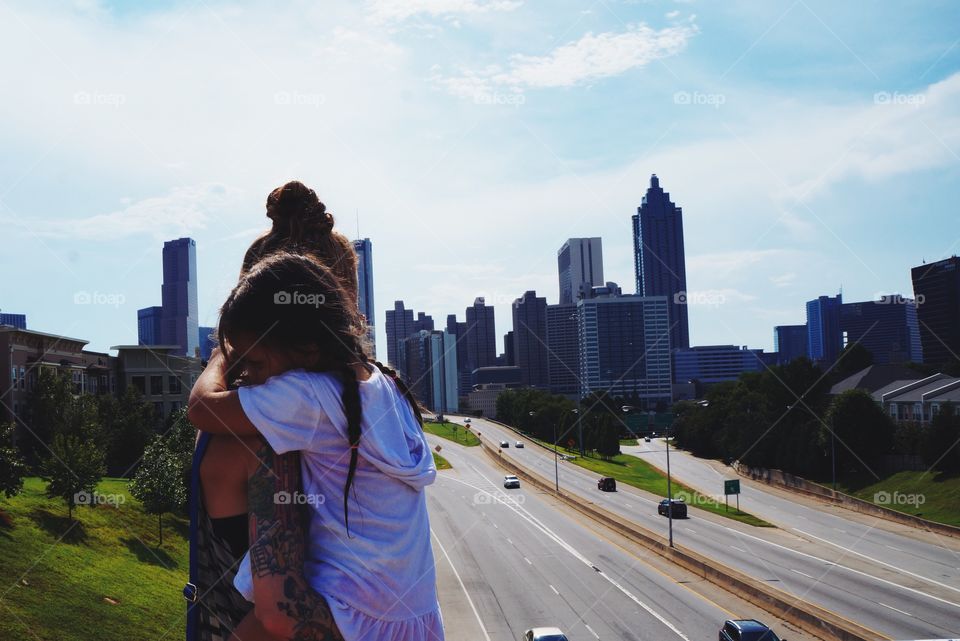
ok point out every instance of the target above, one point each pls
(74, 466)
(608, 438)
(12, 466)
(942, 448)
(863, 432)
(851, 360)
(129, 424)
(158, 483)
(48, 412)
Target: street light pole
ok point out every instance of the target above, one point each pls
(626, 410)
(833, 459)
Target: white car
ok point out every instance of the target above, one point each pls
(511, 481)
(544, 634)
(519, 444)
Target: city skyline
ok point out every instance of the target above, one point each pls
(795, 137)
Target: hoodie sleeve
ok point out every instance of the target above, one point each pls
(284, 410)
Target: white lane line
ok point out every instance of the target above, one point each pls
(496, 526)
(893, 548)
(509, 541)
(591, 630)
(462, 586)
(739, 549)
(801, 573)
(689, 530)
(529, 562)
(892, 567)
(895, 609)
(554, 590)
(628, 505)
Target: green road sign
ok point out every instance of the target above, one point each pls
(731, 487)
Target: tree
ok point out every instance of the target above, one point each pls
(158, 483)
(942, 447)
(48, 412)
(74, 467)
(12, 466)
(608, 438)
(863, 432)
(851, 360)
(128, 427)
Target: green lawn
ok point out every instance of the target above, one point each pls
(451, 432)
(934, 496)
(441, 463)
(102, 577)
(628, 441)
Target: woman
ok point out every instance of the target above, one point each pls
(219, 523)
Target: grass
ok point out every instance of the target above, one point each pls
(101, 577)
(451, 432)
(441, 463)
(640, 474)
(934, 496)
(628, 441)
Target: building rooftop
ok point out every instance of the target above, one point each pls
(876, 377)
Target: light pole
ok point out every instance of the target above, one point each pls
(556, 465)
(626, 409)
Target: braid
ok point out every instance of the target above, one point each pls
(354, 412)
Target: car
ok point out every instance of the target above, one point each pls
(646, 439)
(518, 444)
(544, 634)
(504, 444)
(746, 630)
(511, 481)
(607, 484)
(679, 508)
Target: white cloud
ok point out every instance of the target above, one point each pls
(398, 10)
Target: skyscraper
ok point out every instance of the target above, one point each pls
(178, 296)
(364, 249)
(936, 289)
(887, 328)
(563, 366)
(789, 342)
(399, 327)
(659, 261)
(530, 339)
(580, 267)
(431, 363)
(207, 341)
(480, 335)
(14, 320)
(824, 339)
(424, 321)
(149, 322)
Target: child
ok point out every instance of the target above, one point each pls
(298, 336)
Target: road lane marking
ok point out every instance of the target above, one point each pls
(689, 530)
(895, 609)
(739, 549)
(554, 590)
(801, 573)
(529, 562)
(591, 630)
(462, 586)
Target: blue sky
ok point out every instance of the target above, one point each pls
(812, 145)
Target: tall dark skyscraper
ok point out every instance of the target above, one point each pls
(936, 289)
(481, 335)
(509, 357)
(399, 327)
(364, 249)
(14, 320)
(658, 255)
(424, 322)
(887, 328)
(458, 330)
(530, 339)
(175, 321)
(579, 267)
(790, 342)
(563, 366)
(824, 338)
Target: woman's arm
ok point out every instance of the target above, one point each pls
(214, 408)
(285, 604)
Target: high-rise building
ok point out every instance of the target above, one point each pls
(624, 346)
(149, 324)
(530, 339)
(431, 366)
(936, 289)
(563, 366)
(887, 328)
(399, 327)
(207, 341)
(424, 322)
(459, 332)
(659, 261)
(824, 338)
(580, 267)
(715, 363)
(364, 249)
(179, 324)
(789, 342)
(14, 320)
(481, 335)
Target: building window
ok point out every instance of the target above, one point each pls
(140, 384)
(13, 377)
(158, 408)
(174, 385)
(893, 411)
(23, 378)
(156, 385)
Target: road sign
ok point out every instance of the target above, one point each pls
(731, 487)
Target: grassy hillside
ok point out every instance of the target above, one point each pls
(102, 577)
(934, 496)
(451, 432)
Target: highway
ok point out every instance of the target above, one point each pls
(525, 561)
(885, 599)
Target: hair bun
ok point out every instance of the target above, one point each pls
(296, 201)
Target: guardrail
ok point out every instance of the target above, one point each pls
(811, 618)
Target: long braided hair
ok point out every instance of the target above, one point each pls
(295, 304)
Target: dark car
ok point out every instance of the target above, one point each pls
(679, 508)
(747, 630)
(607, 484)
(504, 444)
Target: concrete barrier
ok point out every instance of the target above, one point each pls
(793, 483)
(811, 618)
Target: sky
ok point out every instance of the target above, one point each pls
(812, 145)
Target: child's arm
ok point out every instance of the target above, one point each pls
(214, 408)
(286, 606)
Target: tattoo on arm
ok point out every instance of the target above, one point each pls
(277, 547)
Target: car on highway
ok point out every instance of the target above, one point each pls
(544, 634)
(504, 444)
(679, 508)
(646, 439)
(607, 484)
(518, 444)
(511, 481)
(747, 630)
